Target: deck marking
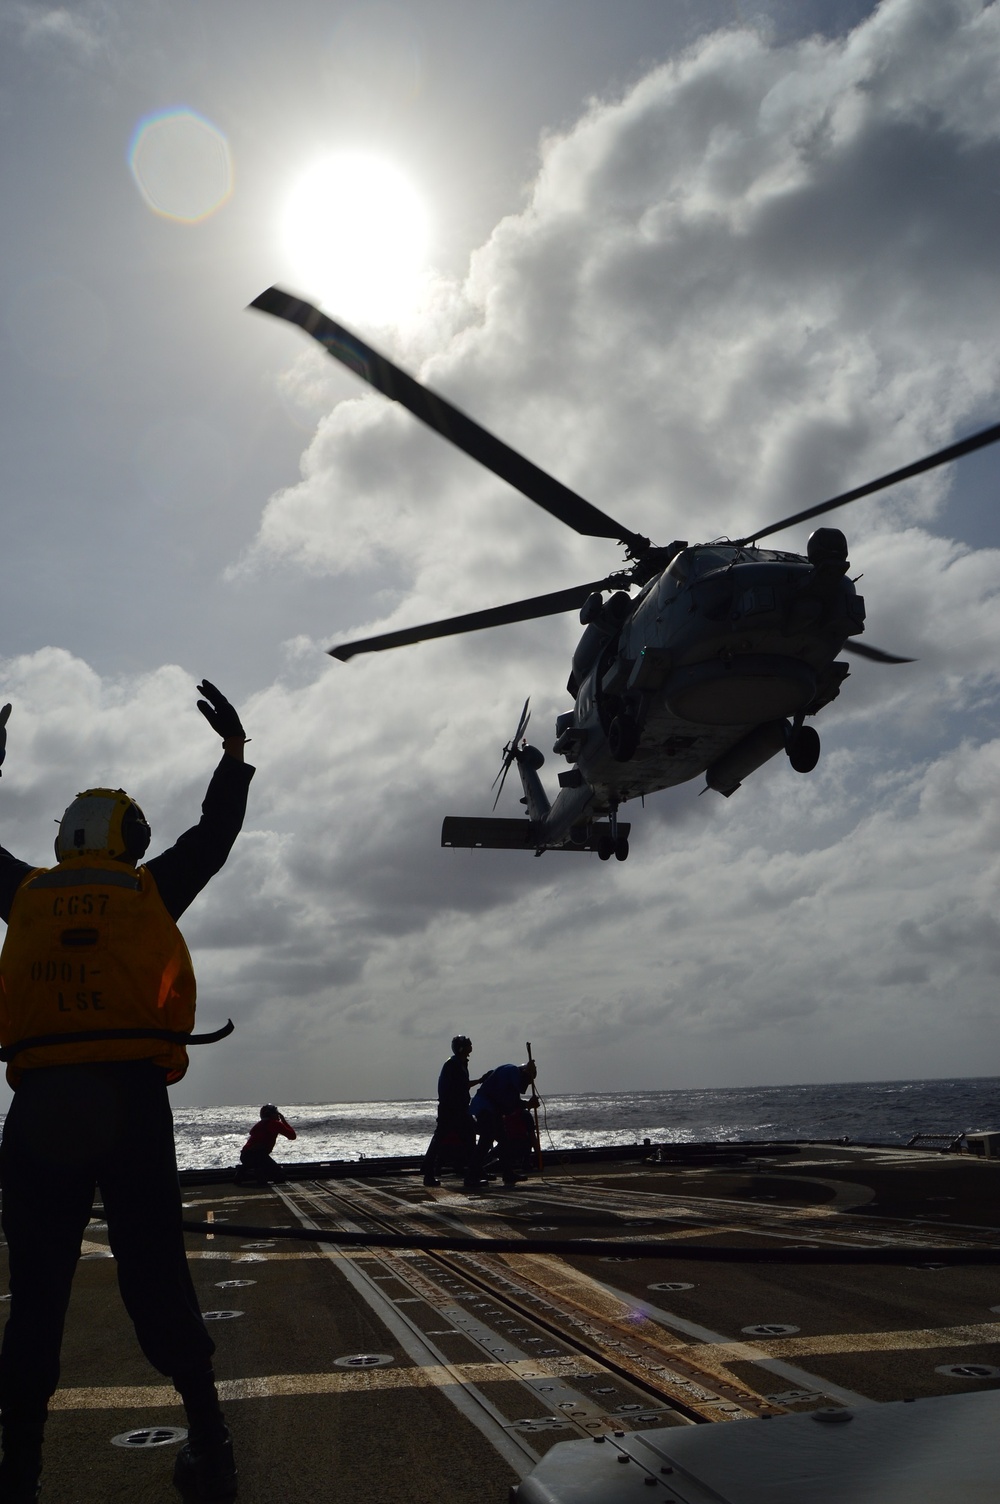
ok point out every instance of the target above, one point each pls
(715, 1349)
(618, 1310)
(579, 1409)
(978, 1335)
(581, 1293)
(464, 1395)
(273, 1386)
(797, 1376)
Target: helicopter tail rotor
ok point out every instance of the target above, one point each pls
(510, 751)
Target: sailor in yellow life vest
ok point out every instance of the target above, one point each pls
(97, 998)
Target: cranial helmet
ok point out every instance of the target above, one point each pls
(103, 822)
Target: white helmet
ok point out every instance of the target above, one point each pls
(103, 822)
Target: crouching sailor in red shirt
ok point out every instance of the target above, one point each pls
(255, 1156)
(97, 997)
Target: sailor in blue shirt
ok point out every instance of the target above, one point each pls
(501, 1115)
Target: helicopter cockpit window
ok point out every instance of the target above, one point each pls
(707, 560)
(690, 564)
(675, 576)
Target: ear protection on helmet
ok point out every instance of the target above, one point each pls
(103, 822)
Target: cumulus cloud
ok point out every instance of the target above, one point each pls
(75, 31)
(762, 275)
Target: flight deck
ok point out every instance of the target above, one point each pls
(411, 1376)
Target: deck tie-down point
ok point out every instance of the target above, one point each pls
(150, 1436)
(364, 1360)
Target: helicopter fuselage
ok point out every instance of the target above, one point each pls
(711, 669)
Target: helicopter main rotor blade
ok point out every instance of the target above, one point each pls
(975, 441)
(552, 604)
(543, 489)
(864, 650)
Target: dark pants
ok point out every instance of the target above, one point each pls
(257, 1165)
(454, 1140)
(508, 1133)
(69, 1129)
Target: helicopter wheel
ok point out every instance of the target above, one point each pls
(621, 849)
(623, 738)
(605, 848)
(803, 750)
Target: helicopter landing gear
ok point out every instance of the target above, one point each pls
(607, 848)
(623, 738)
(803, 749)
(614, 844)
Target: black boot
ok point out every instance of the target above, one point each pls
(205, 1468)
(21, 1465)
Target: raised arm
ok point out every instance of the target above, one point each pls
(12, 870)
(181, 872)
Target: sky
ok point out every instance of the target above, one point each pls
(707, 263)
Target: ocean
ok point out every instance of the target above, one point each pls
(873, 1112)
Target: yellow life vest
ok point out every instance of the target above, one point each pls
(91, 949)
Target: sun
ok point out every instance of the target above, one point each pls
(356, 234)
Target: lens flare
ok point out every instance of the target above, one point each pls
(356, 232)
(181, 165)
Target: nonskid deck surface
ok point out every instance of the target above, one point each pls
(369, 1376)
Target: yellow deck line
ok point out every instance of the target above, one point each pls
(341, 1381)
(587, 1294)
(711, 1353)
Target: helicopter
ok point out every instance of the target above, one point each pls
(712, 668)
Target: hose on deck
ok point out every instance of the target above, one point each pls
(691, 1253)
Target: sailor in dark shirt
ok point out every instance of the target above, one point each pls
(102, 1119)
(455, 1134)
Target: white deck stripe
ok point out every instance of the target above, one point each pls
(271, 1386)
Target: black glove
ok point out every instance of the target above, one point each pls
(4, 713)
(220, 715)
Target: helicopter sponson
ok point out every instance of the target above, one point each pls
(711, 669)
